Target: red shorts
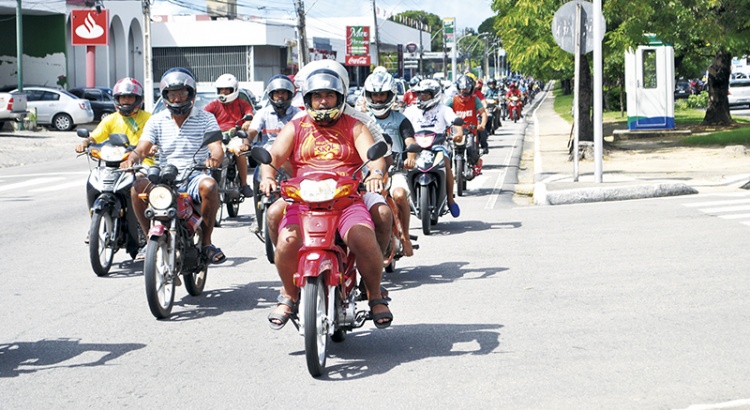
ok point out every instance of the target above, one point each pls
(354, 214)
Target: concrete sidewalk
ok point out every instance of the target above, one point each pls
(632, 169)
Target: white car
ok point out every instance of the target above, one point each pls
(739, 92)
(58, 108)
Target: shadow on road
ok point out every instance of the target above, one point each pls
(369, 353)
(446, 272)
(29, 357)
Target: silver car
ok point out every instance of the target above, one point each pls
(739, 92)
(58, 108)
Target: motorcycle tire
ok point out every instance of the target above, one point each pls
(459, 174)
(424, 209)
(222, 182)
(391, 266)
(101, 237)
(196, 282)
(233, 207)
(159, 287)
(315, 325)
(270, 250)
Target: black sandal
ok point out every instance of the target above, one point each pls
(282, 318)
(382, 315)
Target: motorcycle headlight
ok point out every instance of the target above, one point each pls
(111, 153)
(160, 198)
(317, 191)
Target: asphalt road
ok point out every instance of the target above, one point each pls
(620, 305)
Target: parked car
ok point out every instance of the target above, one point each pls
(100, 99)
(205, 95)
(12, 107)
(739, 93)
(58, 108)
(681, 89)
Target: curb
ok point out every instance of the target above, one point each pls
(542, 196)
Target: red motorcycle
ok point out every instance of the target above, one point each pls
(514, 108)
(326, 273)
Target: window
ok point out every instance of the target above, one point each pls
(649, 69)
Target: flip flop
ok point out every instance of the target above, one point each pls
(455, 210)
(215, 255)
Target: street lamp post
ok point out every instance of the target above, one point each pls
(148, 74)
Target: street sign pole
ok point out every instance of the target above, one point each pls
(576, 92)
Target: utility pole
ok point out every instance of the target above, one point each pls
(375, 29)
(486, 68)
(148, 68)
(421, 51)
(19, 44)
(302, 53)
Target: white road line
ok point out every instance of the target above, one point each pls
(59, 187)
(718, 203)
(45, 174)
(736, 208)
(734, 404)
(31, 182)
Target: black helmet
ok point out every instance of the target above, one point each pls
(280, 82)
(175, 79)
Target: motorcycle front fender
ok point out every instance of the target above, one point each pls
(314, 263)
(106, 201)
(425, 179)
(157, 230)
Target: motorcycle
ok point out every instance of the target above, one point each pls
(427, 180)
(493, 111)
(228, 176)
(514, 108)
(395, 249)
(175, 238)
(326, 275)
(113, 223)
(262, 202)
(467, 162)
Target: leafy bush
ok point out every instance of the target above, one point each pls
(697, 101)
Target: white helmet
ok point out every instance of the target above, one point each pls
(334, 65)
(324, 80)
(380, 82)
(227, 81)
(433, 87)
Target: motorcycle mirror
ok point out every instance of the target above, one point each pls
(247, 117)
(120, 140)
(376, 151)
(413, 148)
(153, 174)
(458, 121)
(242, 134)
(82, 132)
(211, 136)
(261, 155)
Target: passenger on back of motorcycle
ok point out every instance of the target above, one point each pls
(229, 110)
(129, 120)
(326, 138)
(467, 106)
(380, 94)
(178, 132)
(429, 114)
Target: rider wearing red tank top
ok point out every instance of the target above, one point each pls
(324, 148)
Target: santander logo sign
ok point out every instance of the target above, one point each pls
(90, 28)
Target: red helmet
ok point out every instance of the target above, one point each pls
(128, 86)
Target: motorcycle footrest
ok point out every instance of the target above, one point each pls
(415, 246)
(413, 237)
(360, 318)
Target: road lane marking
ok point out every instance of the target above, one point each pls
(31, 182)
(60, 187)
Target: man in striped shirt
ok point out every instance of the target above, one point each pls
(178, 133)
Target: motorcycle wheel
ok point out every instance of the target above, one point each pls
(459, 174)
(515, 115)
(391, 266)
(101, 232)
(159, 288)
(315, 326)
(270, 251)
(195, 282)
(424, 209)
(222, 197)
(233, 207)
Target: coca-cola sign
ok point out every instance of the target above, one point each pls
(357, 60)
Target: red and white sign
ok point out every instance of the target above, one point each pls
(357, 60)
(89, 27)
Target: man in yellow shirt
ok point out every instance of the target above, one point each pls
(129, 120)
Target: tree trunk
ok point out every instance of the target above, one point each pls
(567, 86)
(586, 102)
(717, 112)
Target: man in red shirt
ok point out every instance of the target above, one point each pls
(467, 106)
(229, 111)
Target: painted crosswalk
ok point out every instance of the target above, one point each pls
(731, 206)
(27, 185)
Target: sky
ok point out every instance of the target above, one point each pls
(468, 13)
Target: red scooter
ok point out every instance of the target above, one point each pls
(326, 273)
(514, 108)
